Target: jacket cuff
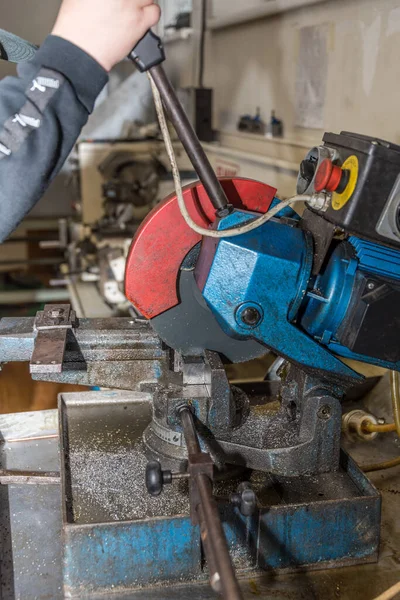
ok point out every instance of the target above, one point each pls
(85, 74)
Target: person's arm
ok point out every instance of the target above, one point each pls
(44, 109)
(41, 115)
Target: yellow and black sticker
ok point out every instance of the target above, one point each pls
(340, 200)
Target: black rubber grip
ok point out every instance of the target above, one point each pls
(148, 52)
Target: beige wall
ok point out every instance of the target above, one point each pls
(254, 64)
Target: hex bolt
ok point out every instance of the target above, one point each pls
(250, 316)
(325, 412)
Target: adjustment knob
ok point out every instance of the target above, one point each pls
(156, 478)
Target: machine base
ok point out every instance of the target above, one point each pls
(116, 538)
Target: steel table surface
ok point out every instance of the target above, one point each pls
(30, 520)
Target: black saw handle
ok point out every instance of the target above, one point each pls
(148, 52)
(148, 55)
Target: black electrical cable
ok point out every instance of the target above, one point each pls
(202, 42)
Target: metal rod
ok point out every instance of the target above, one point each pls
(8, 477)
(215, 579)
(212, 531)
(180, 476)
(32, 439)
(229, 584)
(189, 139)
(189, 431)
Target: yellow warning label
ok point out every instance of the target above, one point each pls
(340, 200)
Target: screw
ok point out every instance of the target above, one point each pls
(250, 316)
(325, 412)
(371, 286)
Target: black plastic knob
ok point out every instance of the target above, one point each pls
(156, 478)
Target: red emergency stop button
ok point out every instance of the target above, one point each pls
(330, 177)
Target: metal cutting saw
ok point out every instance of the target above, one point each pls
(318, 290)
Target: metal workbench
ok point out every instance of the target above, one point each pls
(31, 563)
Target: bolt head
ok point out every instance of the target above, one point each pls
(325, 412)
(250, 316)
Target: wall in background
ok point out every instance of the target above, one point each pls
(257, 64)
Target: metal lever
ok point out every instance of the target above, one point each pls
(148, 55)
(223, 577)
(203, 508)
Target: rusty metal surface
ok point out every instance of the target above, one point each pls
(52, 325)
(107, 507)
(48, 355)
(122, 353)
(32, 566)
(22, 477)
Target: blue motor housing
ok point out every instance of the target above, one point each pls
(354, 306)
(260, 285)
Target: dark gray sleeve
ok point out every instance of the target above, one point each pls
(42, 112)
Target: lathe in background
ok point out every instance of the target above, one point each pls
(120, 183)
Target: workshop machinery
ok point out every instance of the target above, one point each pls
(120, 182)
(239, 478)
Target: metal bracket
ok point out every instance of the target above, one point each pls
(52, 325)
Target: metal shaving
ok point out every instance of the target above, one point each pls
(109, 485)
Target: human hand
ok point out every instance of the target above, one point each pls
(106, 29)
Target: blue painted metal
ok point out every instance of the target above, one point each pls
(337, 348)
(285, 212)
(330, 516)
(343, 528)
(111, 557)
(312, 536)
(326, 305)
(376, 259)
(330, 298)
(270, 266)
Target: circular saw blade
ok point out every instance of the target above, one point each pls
(159, 278)
(164, 240)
